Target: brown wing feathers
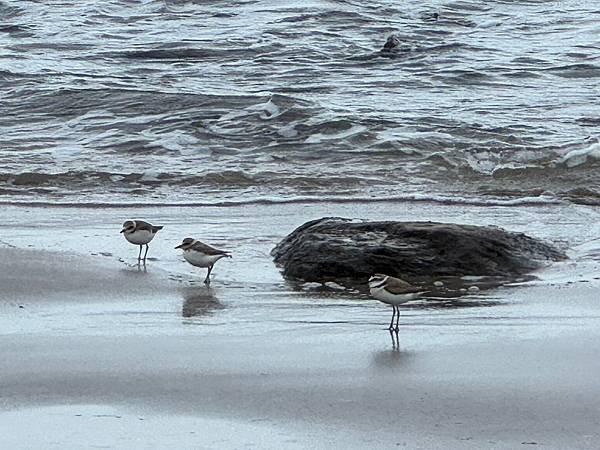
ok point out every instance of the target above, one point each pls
(141, 225)
(398, 286)
(207, 249)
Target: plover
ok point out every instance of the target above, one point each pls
(200, 254)
(140, 233)
(393, 291)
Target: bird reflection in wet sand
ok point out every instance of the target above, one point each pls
(392, 359)
(199, 302)
(395, 340)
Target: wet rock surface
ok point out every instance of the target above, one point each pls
(349, 251)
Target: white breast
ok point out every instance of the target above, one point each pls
(199, 259)
(139, 237)
(392, 299)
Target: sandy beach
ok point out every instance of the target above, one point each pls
(101, 353)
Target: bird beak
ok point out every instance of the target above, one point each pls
(179, 246)
(122, 231)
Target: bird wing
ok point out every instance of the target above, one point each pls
(398, 286)
(207, 249)
(141, 225)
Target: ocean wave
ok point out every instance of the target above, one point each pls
(9, 11)
(280, 200)
(559, 162)
(576, 71)
(17, 30)
(171, 53)
(108, 179)
(579, 156)
(140, 99)
(66, 182)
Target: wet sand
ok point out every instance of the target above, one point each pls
(333, 395)
(100, 352)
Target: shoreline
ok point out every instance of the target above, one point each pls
(524, 201)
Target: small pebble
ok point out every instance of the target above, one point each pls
(473, 289)
(438, 283)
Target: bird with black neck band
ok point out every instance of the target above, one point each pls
(199, 254)
(393, 291)
(139, 232)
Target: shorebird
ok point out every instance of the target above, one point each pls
(200, 254)
(393, 291)
(140, 233)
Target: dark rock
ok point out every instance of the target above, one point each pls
(393, 43)
(346, 251)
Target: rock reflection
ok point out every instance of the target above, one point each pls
(199, 301)
(452, 302)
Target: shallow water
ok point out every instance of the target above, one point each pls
(213, 102)
(248, 296)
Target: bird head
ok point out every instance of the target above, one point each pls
(377, 280)
(128, 226)
(187, 243)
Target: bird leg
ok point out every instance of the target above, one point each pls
(395, 340)
(397, 318)
(140, 254)
(145, 252)
(207, 279)
(391, 327)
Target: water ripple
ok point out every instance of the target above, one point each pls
(163, 100)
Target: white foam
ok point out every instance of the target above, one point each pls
(175, 140)
(320, 137)
(67, 152)
(546, 198)
(580, 156)
(288, 131)
(268, 110)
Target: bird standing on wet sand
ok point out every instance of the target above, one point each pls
(201, 255)
(393, 291)
(140, 233)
